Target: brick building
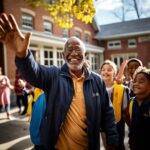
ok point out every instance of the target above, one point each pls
(47, 39)
(125, 40)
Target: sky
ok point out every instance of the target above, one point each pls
(110, 11)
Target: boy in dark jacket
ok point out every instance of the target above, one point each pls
(77, 101)
(139, 111)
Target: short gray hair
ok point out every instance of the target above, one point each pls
(75, 39)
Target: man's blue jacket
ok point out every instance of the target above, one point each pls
(58, 88)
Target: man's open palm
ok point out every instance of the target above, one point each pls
(12, 36)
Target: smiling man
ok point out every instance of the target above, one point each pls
(77, 106)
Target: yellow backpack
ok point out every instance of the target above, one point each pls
(118, 92)
(130, 108)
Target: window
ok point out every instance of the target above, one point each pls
(48, 27)
(48, 57)
(87, 56)
(86, 38)
(145, 38)
(115, 60)
(119, 58)
(65, 33)
(78, 34)
(131, 43)
(114, 44)
(60, 60)
(27, 21)
(94, 62)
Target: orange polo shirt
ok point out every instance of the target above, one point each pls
(72, 135)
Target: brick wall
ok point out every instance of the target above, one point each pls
(142, 49)
(14, 7)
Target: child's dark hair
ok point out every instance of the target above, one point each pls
(144, 71)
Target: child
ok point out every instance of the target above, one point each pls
(5, 89)
(139, 110)
(36, 110)
(119, 96)
(132, 65)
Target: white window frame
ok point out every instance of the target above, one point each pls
(114, 46)
(48, 27)
(65, 33)
(93, 59)
(132, 45)
(77, 34)
(123, 56)
(60, 60)
(27, 21)
(48, 59)
(86, 37)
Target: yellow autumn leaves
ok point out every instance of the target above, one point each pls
(63, 11)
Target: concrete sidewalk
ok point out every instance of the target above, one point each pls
(14, 133)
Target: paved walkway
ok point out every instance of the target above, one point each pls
(14, 133)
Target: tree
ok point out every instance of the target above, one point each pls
(63, 11)
(127, 6)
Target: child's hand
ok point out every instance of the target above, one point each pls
(120, 76)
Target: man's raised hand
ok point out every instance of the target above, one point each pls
(11, 35)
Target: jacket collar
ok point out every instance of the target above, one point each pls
(65, 72)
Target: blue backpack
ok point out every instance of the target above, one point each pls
(36, 118)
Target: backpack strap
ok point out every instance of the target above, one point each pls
(117, 101)
(130, 108)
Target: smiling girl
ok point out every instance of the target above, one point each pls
(119, 96)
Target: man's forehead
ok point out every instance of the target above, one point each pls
(73, 43)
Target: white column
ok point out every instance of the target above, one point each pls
(55, 55)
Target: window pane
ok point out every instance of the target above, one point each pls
(50, 54)
(45, 54)
(121, 60)
(114, 44)
(59, 58)
(48, 57)
(65, 33)
(86, 38)
(115, 61)
(27, 21)
(78, 34)
(51, 62)
(48, 26)
(46, 62)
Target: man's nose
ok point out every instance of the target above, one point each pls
(74, 52)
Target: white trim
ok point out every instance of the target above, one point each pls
(48, 18)
(54, 55)
(41, 53)
(114, 46)
(125, 56)
(87, 32)
(44, 39)
(123, 35)
(132, 41)
(93, 48)
(28, 11)
(78, 29)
